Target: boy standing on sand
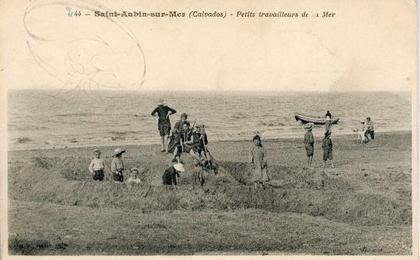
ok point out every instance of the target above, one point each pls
(309, 143)
(97, 166)
(327, 148)
(164, 124)
(117, 165)
(258, 158)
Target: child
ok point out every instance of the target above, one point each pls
(327, 147)
(183, 142)
(134, 176)
(361, 134)
(258, 158)
(309, 143)
(97, 166)
(170, 174)
(198, 173)
(117, 165)
(370, 131)
(328, 124)
(164, 124)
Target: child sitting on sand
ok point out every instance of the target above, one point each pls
(258, 158)
(117, 165)
(309, 143)
(133, 178)
(327, 148)
(170, 174)
(97, 166)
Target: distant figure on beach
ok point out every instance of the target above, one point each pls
(170, 175)
(134, 176)
(117, 165)
(361, 134)
(328, 124)
(309, 141)
(164, 124)
(327, 147)
(258, 159)
(97, 166)
(328, 115)
(370, 131)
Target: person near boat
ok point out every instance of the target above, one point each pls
(327, 148)
(309, 141)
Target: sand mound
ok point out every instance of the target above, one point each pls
(311, 192)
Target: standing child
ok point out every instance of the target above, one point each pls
(309, 143)
(117, 165)
(258, 158)
(97, 166)
(327, 147)
(164, 124)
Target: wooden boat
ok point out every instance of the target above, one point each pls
(317, 120)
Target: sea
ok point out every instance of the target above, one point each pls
(45, 119)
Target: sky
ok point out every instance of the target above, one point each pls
(367, 46)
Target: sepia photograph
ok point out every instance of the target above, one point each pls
(219, 128)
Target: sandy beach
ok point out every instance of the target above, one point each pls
(361, 207)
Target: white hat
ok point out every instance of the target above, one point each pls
(162, 101)
(118, 151)
(179, 167)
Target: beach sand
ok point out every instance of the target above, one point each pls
(361, 207)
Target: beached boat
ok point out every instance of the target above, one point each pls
(317, 120)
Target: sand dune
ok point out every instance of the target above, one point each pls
(363, 206)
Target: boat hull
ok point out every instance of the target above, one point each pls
(315, 120)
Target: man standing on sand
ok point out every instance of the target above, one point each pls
(164, 124)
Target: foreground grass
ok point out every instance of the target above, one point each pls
(58, 229)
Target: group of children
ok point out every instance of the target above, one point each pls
(97, 168)
(367, 132)
(193, 140)
(327, 145)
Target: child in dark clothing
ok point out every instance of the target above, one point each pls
(327, 148)
(170, 174)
